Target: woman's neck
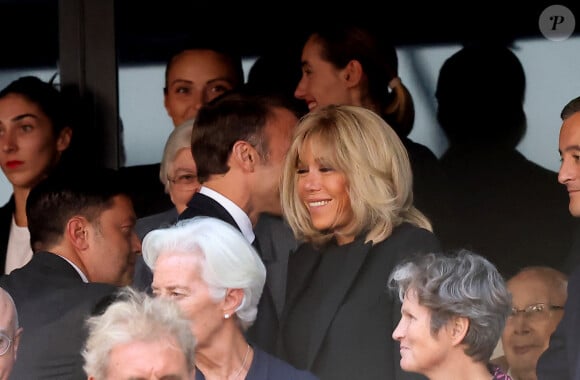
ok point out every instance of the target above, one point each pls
(20, 195)
(465, 369)
(228, 358)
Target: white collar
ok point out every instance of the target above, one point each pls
(240, 217)
(80, 272)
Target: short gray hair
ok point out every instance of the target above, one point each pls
(135, 316)
(180, 138)
(571, 108)
(228, 260)
(460, 284)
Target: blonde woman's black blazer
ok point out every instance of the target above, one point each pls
(350, 337)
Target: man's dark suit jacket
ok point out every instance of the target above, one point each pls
(349, 331)
(52, 303)
(143, 276)
(6, 213)
(562, 358)
(263, 331)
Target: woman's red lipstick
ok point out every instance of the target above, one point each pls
(13, 164)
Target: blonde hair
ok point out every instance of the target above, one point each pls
(361, 145)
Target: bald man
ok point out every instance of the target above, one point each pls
(538, 298)
(9, 334)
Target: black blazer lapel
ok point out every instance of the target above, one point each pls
(277, 272)
(358, 252)
(202, 205)
(301, 264)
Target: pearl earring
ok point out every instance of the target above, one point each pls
(226, 316)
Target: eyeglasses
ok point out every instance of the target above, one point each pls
(183, 179)
(534, 312)
(5, 342)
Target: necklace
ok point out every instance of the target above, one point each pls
(243, 362)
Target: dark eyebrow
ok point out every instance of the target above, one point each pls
(24, 116)
(570, 148)
(220, 79)
(180, 81)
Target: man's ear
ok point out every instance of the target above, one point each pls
(352, 73)
(245, 155)
(77, 232)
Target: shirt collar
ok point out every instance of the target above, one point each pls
(80, 272)
(240, 217)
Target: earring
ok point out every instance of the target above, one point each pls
(226, 316)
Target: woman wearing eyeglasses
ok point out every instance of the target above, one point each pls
(178, 173)
(538, 297)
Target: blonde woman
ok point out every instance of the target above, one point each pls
(347, 192)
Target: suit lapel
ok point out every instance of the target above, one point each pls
(202, 205)
(277, 272)
(356, 256)
(300, 267)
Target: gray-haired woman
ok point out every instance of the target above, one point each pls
(454, 311)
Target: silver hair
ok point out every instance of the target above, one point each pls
(135, 316)
(180, 138)
(461, 284)
(228, 260)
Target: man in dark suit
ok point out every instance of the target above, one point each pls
(84, 243)
(239, 143)
(562, 358)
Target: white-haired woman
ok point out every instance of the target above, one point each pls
(217, 278)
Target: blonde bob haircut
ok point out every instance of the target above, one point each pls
(358, 143)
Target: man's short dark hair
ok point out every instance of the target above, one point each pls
(571, 108)
(239, 115)
(62, 195)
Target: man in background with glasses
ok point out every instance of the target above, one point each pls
(538, 297)
(9, 334)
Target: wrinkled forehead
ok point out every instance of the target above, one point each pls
(530, 287)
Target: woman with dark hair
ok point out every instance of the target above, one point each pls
(34, 134)
(353, 65)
